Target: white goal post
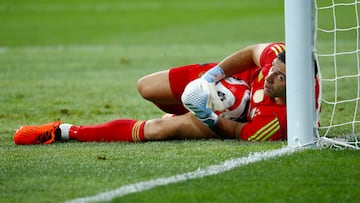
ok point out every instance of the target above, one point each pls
(300, 95)
(328, 31)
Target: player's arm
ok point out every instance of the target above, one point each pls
(237, 62)
(227, 128)
(243, 59)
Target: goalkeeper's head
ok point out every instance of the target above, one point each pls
(275, 81)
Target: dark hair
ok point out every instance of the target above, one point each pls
(281, 57)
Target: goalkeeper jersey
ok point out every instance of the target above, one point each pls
(266, 120)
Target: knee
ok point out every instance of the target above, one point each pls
(142, 87)
(155, 86)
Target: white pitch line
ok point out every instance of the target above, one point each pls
(200, 173)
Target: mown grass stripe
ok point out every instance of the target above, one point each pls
(200, 173)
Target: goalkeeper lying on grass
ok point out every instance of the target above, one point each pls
(195, 88)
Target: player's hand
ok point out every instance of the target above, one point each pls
(208, 82)
(214, 75)
(196, 99)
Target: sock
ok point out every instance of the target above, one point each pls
(64, 131)
(123, 130)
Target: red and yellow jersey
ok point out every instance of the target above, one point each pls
(266, 120)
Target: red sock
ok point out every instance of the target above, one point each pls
(123, 130)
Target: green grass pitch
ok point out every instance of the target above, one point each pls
(79, 61)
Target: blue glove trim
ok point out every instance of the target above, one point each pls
(214, 74)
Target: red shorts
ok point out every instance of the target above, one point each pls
(179, 77)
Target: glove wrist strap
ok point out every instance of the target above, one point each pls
(214, 75)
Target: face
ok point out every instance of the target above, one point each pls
(275, 81)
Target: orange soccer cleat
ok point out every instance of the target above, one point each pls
(42, 134)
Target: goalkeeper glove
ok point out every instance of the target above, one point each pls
(210, 78)
(214, 75)
(197, 101)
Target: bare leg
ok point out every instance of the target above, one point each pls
(185, 126)
(156, 88)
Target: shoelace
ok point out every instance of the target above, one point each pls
(46, 136)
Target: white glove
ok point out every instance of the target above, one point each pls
(196, 98)
(210, 78)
